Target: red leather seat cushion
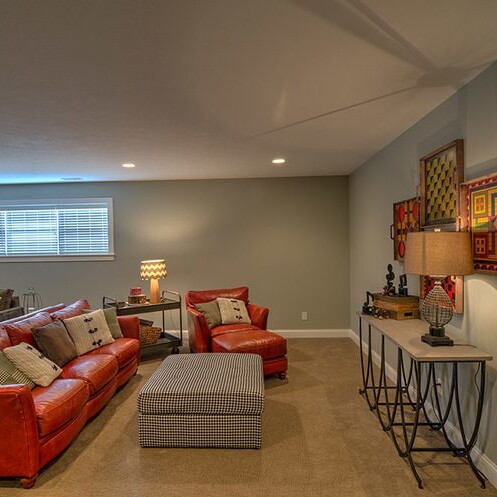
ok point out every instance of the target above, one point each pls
(59, 403)
(231, 328)
(95, 370)
(265, 343)
(20, 331)
(123, 349)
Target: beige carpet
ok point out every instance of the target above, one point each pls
(319, 439)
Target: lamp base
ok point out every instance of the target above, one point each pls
(437, 341)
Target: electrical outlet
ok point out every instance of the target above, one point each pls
(304, 316)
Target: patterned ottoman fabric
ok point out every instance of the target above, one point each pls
(203, 400)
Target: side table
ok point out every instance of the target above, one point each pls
(170, 301)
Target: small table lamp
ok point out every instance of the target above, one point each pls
(438, 254)
(153, 270)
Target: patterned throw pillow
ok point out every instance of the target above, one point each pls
(211, 312)
(5, 298)
(233, 311)
(10, 375)
(88, 331)
(112, 322)
(33, 364)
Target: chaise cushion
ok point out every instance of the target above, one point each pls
(232, 328)
(123, 349)
(95, 370)
(59, 403)
(20, 331)
(264, 343)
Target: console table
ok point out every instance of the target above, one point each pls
(170, 301)
(414, 401)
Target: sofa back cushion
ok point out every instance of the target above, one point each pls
(49, 309)
(20, 331)
(4, 339)
(200, 296)
(71, 310)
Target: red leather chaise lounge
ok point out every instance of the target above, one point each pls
(248, 338)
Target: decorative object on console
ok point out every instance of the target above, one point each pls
(396, 306)
(403, 290)
(442, 172)
(136, 290)
(438, 253)
(453, 286)
(405, 220)
(480, 217)
(367, 307)
(389, 288)
(137, 299)
(31, 301)
(153, 270)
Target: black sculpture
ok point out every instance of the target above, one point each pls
(403, 290)
(389, 288)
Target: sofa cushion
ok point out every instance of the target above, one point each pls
(5, 298)
(112, 322)
(265, 343)
(4, 339)
(54, 341)
(232, 328)
(95, 370)
(233, 311)
(88, 331)
(59, 403)
(210, 311)
(33, 364)
(10, 375)
(20, 331)
(199, 296)
(71, 310)
(123, 349)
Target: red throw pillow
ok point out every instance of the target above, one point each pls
(20, 331)
(71, 310)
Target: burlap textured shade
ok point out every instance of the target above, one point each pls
(438, 253)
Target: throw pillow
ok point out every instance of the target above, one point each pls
(233, 311)
(20, 331)
(54, 341)
(10, 375)
(112, 322)
(5, 298)
(88, 331)
(33, 364)
(71, 310)
(211, 312)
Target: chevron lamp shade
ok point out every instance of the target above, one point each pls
(155, 269)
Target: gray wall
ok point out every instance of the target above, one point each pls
(392, 175)
(287, 239)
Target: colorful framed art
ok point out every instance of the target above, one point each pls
(405, 220)
(480, 196)
(442, 172)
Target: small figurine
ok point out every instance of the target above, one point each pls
(403, 290)
(389, 288)
(368, 306)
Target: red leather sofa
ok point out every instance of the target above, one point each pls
(245, 338)
(37, 425)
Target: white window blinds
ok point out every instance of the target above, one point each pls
(67, 228)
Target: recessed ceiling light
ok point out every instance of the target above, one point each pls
(278, 161)
(129, 164)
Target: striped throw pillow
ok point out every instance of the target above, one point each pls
(10, 375)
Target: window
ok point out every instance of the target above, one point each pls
(69, 229)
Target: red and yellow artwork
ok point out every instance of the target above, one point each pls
(405, 220)
(481, 201)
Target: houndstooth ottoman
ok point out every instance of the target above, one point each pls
(203, 400)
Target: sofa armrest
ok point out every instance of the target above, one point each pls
(130, 326)
(19, 445)
(199, 334)
(258, 315)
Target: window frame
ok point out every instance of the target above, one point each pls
(64, 202)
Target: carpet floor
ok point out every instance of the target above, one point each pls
(319, 440)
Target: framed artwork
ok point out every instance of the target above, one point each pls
(453, 285)
(405, 220)
(442, 172)
(480, 196)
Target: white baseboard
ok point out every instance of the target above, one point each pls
(482, 461)
(314, 333)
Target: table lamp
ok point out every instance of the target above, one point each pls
(438, 254)
(153, 270)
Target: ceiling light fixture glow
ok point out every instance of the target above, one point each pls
(278, 161)
(129, 165)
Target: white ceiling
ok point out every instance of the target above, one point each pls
(217, 88)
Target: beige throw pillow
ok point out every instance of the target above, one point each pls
(112, 321)
(33, 364)
(233, 311)
(88, 331)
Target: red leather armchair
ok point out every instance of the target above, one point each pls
(244, 338)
